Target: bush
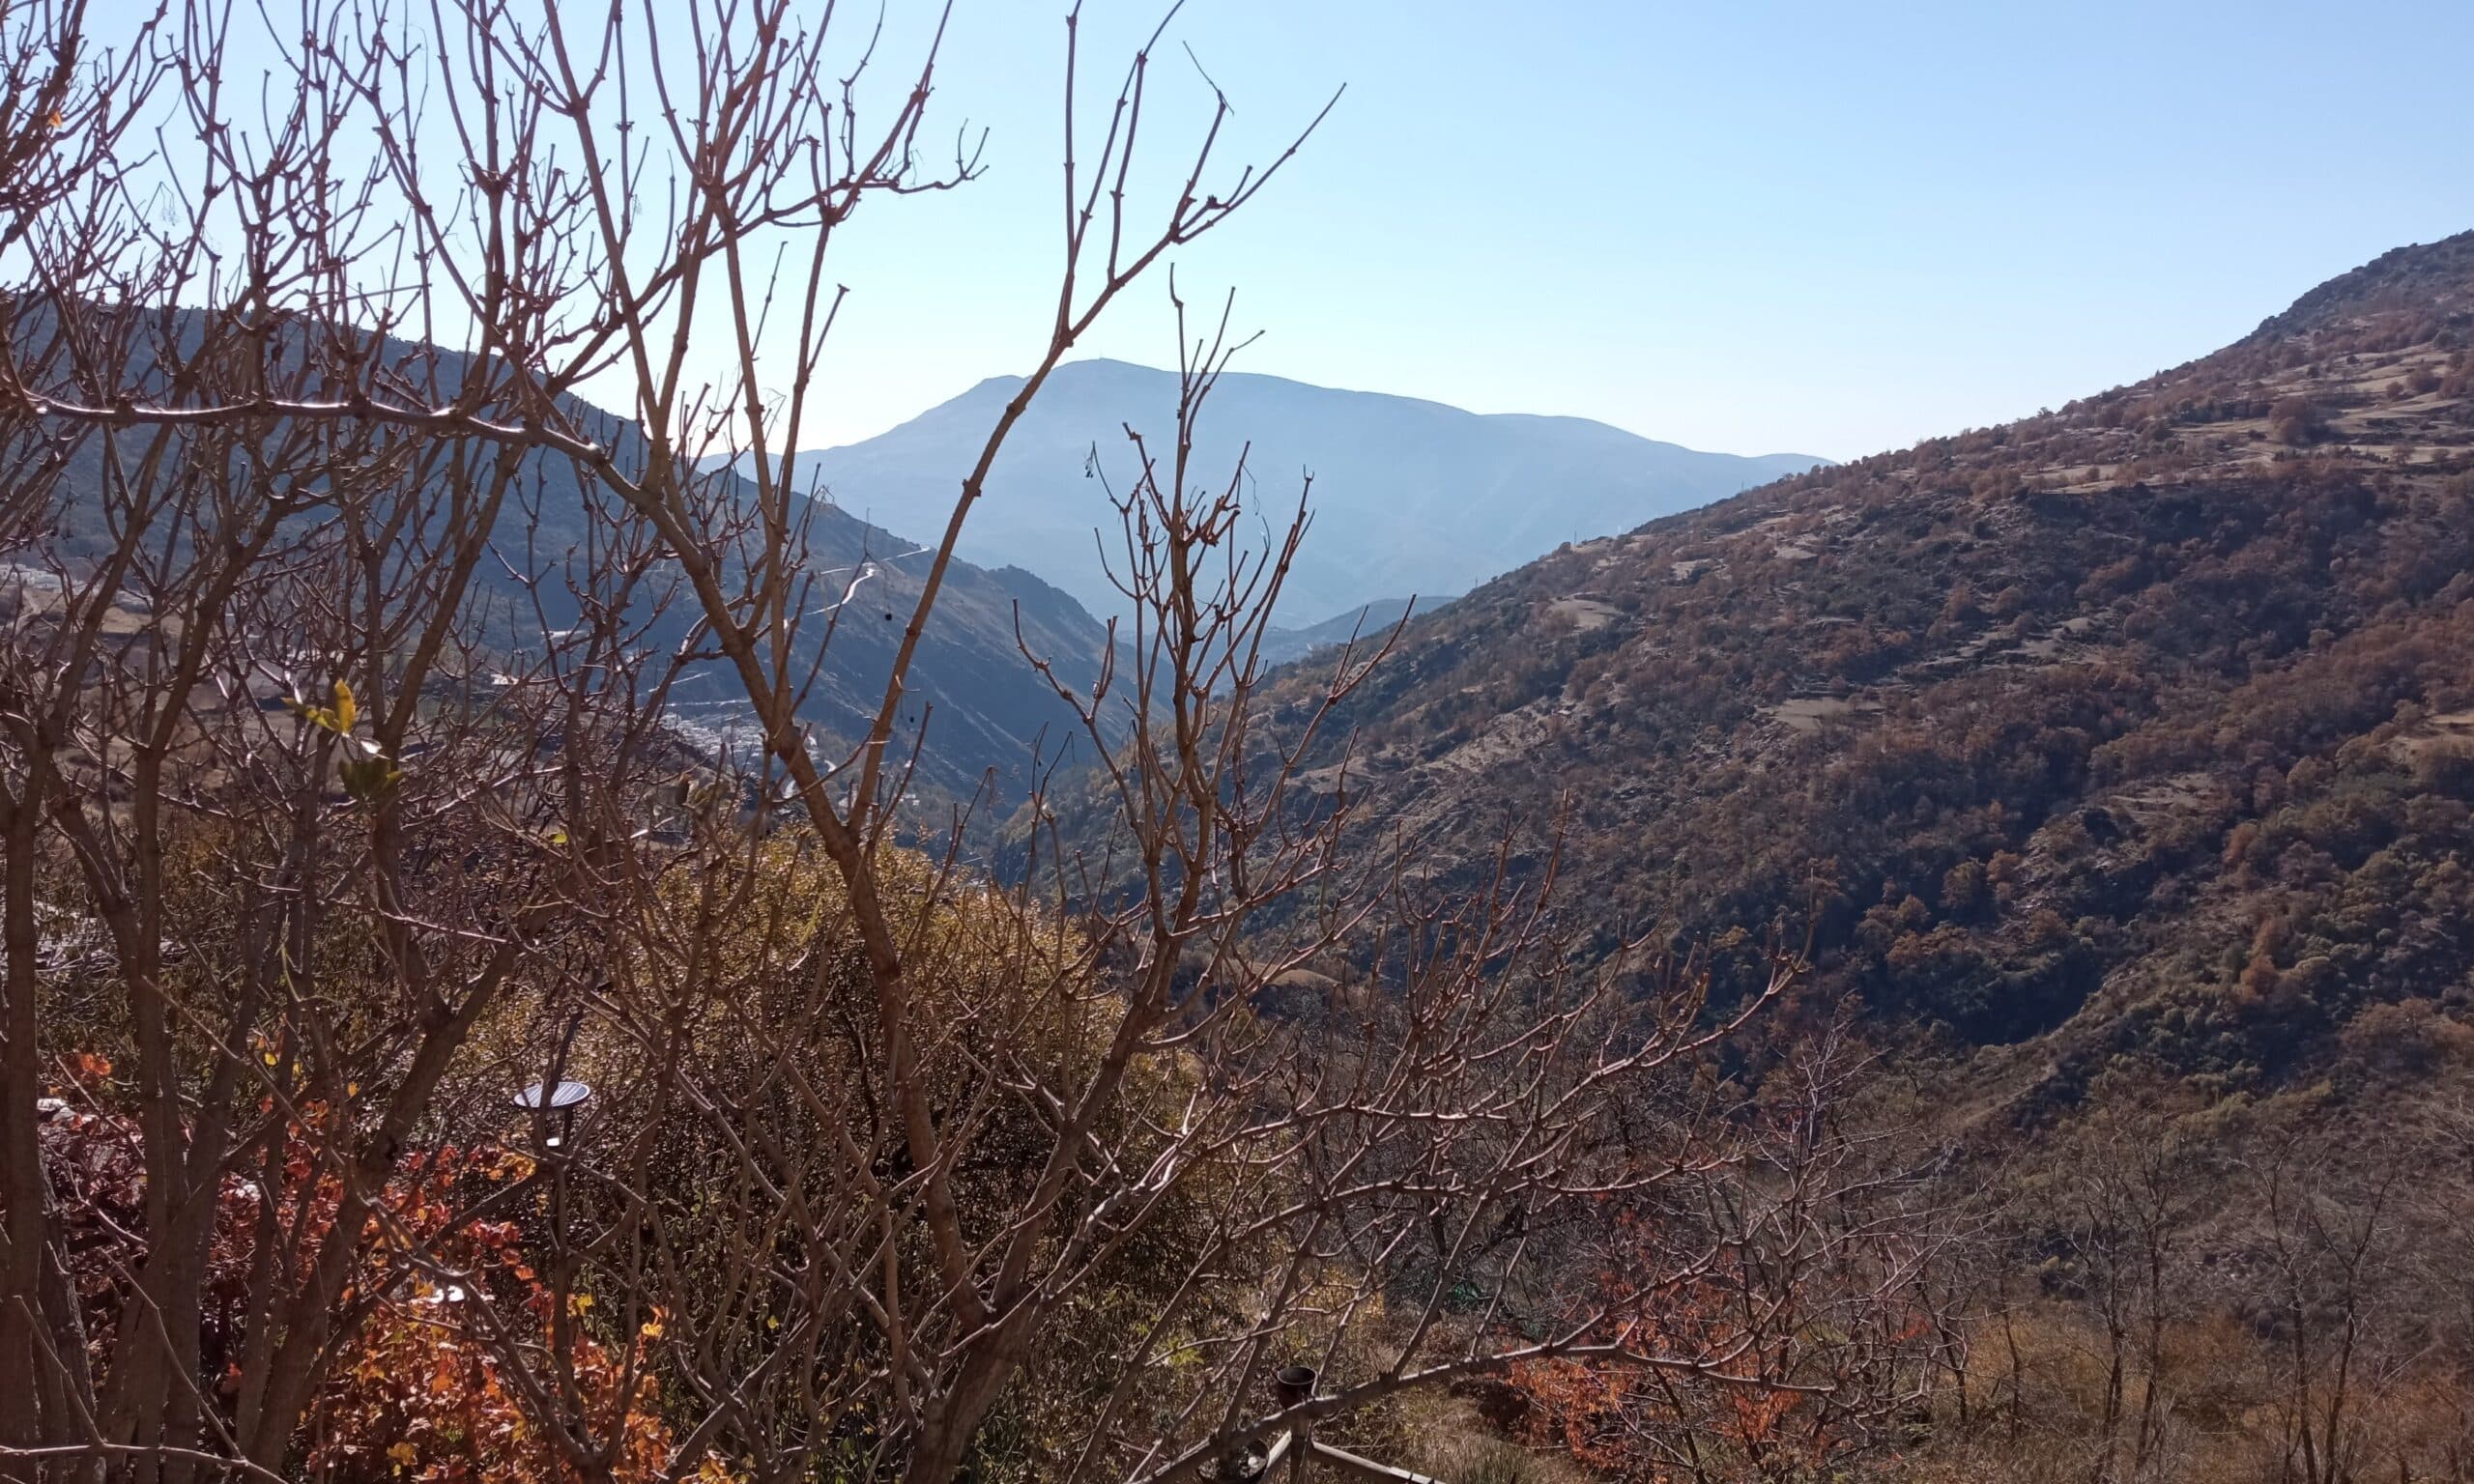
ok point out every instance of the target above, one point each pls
(2295, 421)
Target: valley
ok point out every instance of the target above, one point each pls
(1153, 927)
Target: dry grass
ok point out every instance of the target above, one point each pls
(1447, 1440)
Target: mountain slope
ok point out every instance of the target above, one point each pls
(1368, 624)
(1410, 496)
(982, 704)
(2148, 722)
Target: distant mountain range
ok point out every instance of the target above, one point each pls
(1409, 496)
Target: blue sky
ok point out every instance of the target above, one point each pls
(1746, 226)
(1743, 226)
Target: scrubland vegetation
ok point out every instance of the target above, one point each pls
(426, 1059)
(2116, 761)
(1949, 967)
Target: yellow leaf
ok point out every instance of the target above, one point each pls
(346, 708)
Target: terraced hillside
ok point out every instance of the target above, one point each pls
(2151, 718)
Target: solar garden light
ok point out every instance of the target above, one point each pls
(562, 1098)
(1293, 1386)
(556, 1094)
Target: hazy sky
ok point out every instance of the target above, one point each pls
(1825, 228)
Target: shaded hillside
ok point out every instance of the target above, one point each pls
(2151, 719)
(1410, 496)
(983, 703)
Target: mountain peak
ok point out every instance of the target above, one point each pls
(1408, 495)
(2410, 291)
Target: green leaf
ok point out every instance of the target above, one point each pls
(366, 779)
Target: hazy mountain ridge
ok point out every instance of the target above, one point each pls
(1368, 625)
(1409, 496)
(2150, 720)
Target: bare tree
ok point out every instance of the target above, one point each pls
(241, 594)
(2121, 1202)
(2329, 1267)
(336, 709)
